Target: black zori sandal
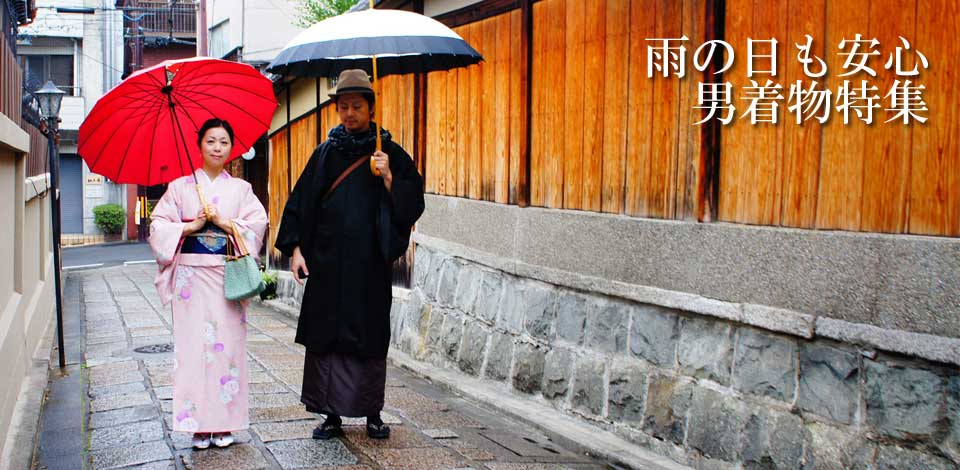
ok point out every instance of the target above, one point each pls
(376, 429)
(331, 428)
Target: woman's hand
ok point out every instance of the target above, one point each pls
(195, 225)
(222, 222)
(382, 162)
(297, 263)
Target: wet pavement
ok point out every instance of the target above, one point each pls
(124, 394)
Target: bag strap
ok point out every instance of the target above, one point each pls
(346, 173)
(238, 241)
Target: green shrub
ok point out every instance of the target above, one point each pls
(109, 218)
(270, 279)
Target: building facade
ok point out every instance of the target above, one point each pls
(82, 54)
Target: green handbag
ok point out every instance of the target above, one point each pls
(241, 275)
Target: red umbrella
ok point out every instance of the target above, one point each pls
(144, 130)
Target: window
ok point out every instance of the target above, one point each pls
(37, 69)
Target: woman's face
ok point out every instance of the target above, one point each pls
(216, 147)
(354, 112)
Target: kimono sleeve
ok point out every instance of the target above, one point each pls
(251, 220)
(406, 190)
(166, 226)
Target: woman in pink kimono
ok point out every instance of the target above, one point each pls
(209, 332)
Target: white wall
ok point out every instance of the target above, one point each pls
(261, 27)
(26, 290)
(439, 7)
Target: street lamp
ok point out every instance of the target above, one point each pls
(49, 97)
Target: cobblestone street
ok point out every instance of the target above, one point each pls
(127, 395)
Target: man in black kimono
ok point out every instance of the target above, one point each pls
(343, 227)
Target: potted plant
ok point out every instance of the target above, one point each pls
(270, 279)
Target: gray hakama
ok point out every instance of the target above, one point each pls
(349, 386)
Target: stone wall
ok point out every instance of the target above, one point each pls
(694, 387)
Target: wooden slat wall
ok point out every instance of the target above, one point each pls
(604, 136)
(303, 139)
(885, 177)
(472, 146)
(277, 185)
(398, 106)
(935, 170)
(11, 78)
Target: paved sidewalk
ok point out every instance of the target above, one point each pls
(127, 401)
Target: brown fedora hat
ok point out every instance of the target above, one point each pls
(352, 81)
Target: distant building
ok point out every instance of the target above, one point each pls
(82, 54)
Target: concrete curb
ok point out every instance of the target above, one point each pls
(580, 436)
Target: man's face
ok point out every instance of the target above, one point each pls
(354, 112)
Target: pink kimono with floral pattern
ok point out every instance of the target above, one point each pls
(209, 332)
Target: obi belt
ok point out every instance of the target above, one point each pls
(210, 240)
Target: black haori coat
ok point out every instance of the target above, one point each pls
(349, 240)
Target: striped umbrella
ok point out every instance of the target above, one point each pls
(388, 42)
(402, 42)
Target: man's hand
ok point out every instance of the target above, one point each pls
(296, 264)
(382, 162)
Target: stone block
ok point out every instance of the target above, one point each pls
(627, 392)
(606, 327)
(903, 403)
(510, 315)
(668, 400)
(765, 365)
(529, 361)
(896, 458)
(557, 371)
(432, 281)
(772, 439)
(716, 424)
(499, 357)
(435, 329)
(653, 335)
(132, 434)
(589, 386)
(412, 313)
(421, 265)
(829, 379)
(951, 443)
(447, 288)
(468, 285)
(571, 316)
(473, 347)
(833, 448)
(125, 456)
(452, 333)
(706, 349)
(491, 288)
(539, 305)
(308, 453)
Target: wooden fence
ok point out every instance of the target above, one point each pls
(562, 114)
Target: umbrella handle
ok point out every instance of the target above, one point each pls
(376, 106)
(203, 201)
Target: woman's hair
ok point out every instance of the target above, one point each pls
(211, 124)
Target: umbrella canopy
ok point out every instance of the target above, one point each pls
(144, 131)
(403, 42)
